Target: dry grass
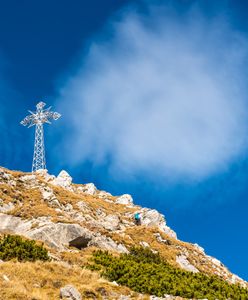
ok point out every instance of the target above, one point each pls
(42, 281)
(7, 193)
(31, 203)
(78, 257)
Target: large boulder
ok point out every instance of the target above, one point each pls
(13, 224)
(59, 235)
(151, 217)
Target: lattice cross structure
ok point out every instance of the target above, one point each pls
(38, 118)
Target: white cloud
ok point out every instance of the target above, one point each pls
(161, 94)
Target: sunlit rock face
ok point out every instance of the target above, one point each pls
(63, 180)
(125, 199)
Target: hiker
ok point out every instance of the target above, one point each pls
(137, 218)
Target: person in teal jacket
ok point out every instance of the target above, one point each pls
(137, 218)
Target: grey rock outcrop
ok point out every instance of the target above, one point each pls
(6, 207)
(69, 292)
(88, 188)
(185, 264)
(161, 240)
(58, 235)
(151, 217)
(48, 195)
(111, 222)
(107, 243)
(104, 195)
(63, 180)
(13, 224)
(125, 199)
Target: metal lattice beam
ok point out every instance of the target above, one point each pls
(38, 118)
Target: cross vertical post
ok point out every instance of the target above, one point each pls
(38, 118)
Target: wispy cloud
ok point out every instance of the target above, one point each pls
(159, 94)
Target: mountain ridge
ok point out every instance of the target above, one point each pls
(74, 219)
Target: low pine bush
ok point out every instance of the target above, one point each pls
(14, 246)
(146, 272)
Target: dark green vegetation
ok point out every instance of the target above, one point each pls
(14, 246)
(146, 272)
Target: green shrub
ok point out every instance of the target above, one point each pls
(14, 246)
(146, 272)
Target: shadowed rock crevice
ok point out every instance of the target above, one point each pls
(80, 242)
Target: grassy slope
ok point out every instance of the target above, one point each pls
(31, 204)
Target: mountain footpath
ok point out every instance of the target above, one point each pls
(96, 249)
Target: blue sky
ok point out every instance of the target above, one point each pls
(153, 96)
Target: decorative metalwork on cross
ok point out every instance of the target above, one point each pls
(38, 118)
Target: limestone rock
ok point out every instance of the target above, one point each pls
(124, 297)
(29, 181)
(125, 199)
(104, 195)
(47, 193)
(45, 175)
(111, 222)
(6, 278)
(107, 243)
(100, 213)
(199, 248)
(121, 249)
(88, 188)
(151, 217)
(69, 292)
(28, 178)
(216, 262)
(59, 235)
(83, 206)
(63, 180)
(236, 279)
(8, 178)
(144, 244)
(68, 207)
(12, 224)
(161, 240)
(6, 207)
(54, 203)
(185, 264)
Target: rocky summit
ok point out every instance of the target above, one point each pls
(73, 221)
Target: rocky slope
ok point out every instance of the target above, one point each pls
(73, 220)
